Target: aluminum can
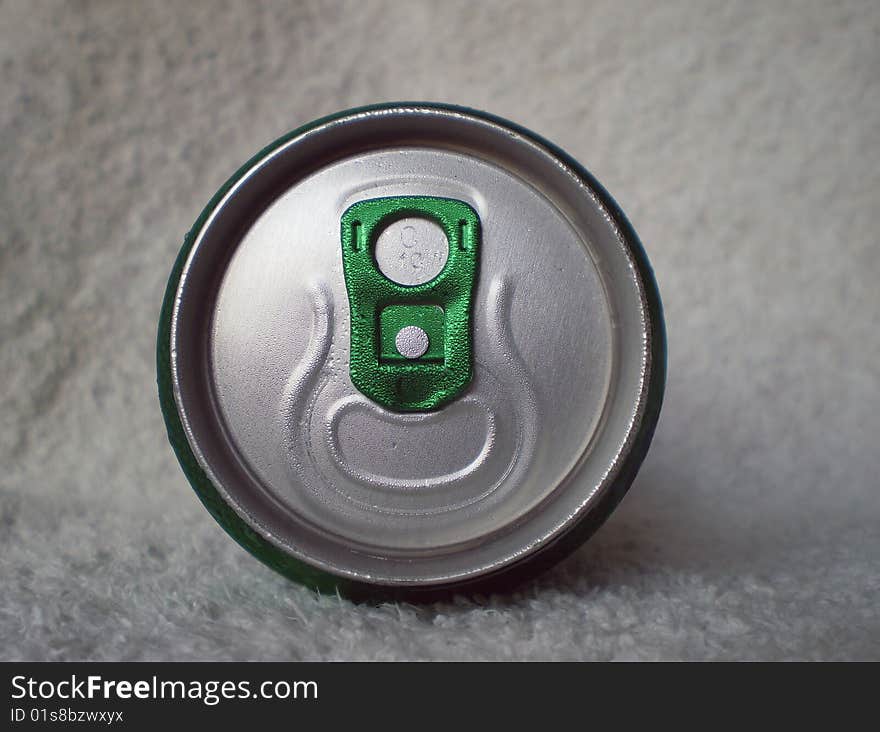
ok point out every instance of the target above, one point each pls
(408, 349)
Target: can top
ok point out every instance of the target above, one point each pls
(414, 345)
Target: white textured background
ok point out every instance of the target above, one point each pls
(743, 141)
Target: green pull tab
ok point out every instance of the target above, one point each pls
(410, 335)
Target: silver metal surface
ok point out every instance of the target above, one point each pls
(260, 348)
(411, 251)
(411, 342)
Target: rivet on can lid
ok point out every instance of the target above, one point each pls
(411, 342)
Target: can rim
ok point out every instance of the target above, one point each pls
(519, 568)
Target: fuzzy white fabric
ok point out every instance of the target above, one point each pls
(743, 141)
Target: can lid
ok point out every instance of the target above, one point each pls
(411, 346)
